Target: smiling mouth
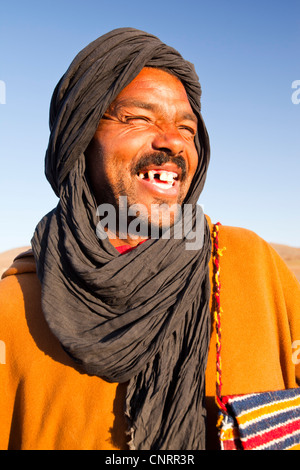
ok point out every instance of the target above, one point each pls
(161, 174)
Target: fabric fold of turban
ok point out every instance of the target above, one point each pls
(118, 317)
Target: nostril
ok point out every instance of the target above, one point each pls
(170, 143)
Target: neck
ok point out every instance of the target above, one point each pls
(124, 239)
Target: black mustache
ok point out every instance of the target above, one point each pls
(160, 158)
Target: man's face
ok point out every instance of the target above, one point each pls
(144, 146)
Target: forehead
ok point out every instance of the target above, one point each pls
(155, 85)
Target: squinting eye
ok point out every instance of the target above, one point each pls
(136, 118)
(188, 131)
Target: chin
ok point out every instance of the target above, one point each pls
(162, 217)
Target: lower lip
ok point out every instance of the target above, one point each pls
(158, 190)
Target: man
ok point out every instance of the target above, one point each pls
(108, 332)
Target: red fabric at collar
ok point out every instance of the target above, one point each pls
(126, 248)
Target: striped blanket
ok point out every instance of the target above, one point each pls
(262, 421)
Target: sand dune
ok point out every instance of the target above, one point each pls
(290, 255)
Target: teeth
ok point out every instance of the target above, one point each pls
(167, 177)
(164, 176)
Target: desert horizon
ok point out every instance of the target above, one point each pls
(291, 256)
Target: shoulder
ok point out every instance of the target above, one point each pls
(21, 320)
(240, 241)
(19, 286)
(246, 251)
(245, 243)
(241, 238)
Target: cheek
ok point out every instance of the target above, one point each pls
(98, 170)
(99, 159)
(94, 164)
(193, 162)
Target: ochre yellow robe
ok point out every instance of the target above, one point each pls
(46, 403)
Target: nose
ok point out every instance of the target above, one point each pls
(169, 141)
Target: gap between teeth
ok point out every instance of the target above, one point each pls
(163, 176)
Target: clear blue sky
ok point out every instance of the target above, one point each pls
(246, 54)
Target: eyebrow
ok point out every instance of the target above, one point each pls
(154, 107)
